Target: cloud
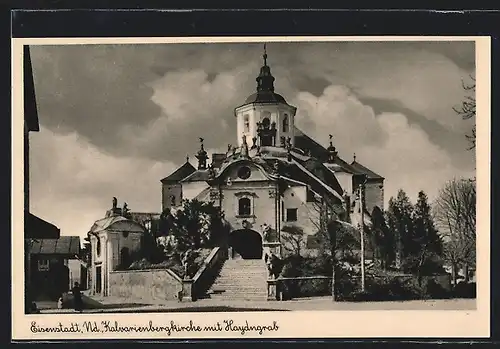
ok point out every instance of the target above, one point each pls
(73, 182)
(118, 118)
(386, 143)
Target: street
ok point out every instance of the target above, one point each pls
(310, 304)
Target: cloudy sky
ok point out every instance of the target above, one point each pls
(115, 119)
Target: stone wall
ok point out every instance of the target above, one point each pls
(151, 284)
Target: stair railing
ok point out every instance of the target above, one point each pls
(206, 275)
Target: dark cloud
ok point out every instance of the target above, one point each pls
(118, 118)
(112, 95)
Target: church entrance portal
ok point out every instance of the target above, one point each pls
(245, 244)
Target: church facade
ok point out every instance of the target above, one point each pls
(275, 177)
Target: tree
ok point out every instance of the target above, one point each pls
(292, 238)
(383, 238)
(455, 213)
(399, 216)
(194, 225)
(427, 248)
(468, 110)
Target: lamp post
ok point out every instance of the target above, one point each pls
(362, 208)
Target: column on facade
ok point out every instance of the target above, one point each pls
(109, 260)
(93, 243)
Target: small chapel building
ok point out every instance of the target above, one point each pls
(276, 176)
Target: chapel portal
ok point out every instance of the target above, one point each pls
(245, 244)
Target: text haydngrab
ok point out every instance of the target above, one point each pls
(171, 328)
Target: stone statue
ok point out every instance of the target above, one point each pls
(276, 167)
(211, 171)
(273, 264)
(283, 141)
(186, 262)
(115, 203)
(172, 200)
(125, 210)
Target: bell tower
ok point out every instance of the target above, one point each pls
(265, 116)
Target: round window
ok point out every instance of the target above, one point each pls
(244, 172)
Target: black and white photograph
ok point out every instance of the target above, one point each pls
(250, 176)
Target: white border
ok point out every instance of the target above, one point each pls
(297, 324)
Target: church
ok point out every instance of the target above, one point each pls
(276, 176)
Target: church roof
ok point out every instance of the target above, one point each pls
(107, 223)
(197, 176)
(65, 245)
(297, 172)
(179, 174)
(325, 175)
(362, 169)
(265, 97)
(319, 152)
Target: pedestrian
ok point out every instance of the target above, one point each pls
(60, 302)
(77, 297)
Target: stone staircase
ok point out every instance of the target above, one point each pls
(241, 279)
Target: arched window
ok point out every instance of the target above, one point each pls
(244, 207)
(125, 257)
(286, 124)
(266, 123)
(246, 123)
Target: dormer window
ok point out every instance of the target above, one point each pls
(286, 124)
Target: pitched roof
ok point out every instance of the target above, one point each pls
(324, 174)
(319, 152)
(179, 174)
(362, 169)
(65, 245)
(37, 228)
(197, 176)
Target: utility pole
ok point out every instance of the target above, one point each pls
(362, 208)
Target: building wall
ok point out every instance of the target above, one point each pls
(149, 285)
(374, 194)
(345, 181)
(191, 189)
(112, 243)
(255, 113)
(263, 205)
(166, 193)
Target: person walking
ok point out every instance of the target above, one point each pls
(77, 297)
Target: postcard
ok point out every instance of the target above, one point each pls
(250, 187)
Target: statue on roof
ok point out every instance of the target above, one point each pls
(244, 147)
(211, 171)
(115, 203)
(125, 210)
(276, 167)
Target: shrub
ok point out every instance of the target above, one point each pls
(465, 290)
